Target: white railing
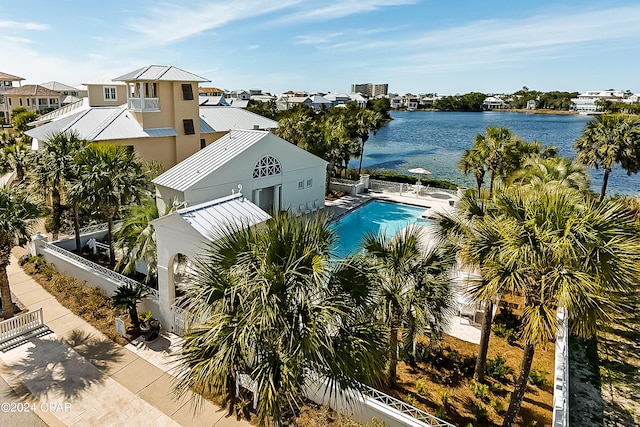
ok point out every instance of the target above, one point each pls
(344, 181)
(561, 374)
(405, 408)
(401, 188)
(144, 104)
(179, 320)
(100, 269)
(20, 324)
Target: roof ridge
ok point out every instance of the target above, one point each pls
(106, 122)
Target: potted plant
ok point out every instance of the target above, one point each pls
(144, 318)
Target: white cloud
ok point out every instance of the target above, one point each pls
(23, 25)
(168, 23)
(342, 8)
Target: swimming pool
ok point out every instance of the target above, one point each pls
(375, 216)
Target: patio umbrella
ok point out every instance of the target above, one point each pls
(420, 172)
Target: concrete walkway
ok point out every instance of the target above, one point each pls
(76, 376)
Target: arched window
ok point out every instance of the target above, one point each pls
(266, 166)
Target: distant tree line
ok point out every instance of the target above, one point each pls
(471, 101)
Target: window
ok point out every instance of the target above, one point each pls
(9, 101)
(187, 92)
(300, 185)
(309, 183)
(110, 93)
(150, 90)
(28, 102)
(188, 127)
(266, 166)
(21, 102)
(203, 143)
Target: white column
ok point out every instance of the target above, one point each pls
(256, 196)
(276, 198)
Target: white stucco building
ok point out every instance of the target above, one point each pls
(271, 172)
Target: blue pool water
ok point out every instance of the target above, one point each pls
(374, 217)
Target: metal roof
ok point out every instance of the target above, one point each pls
(196, 167)
(100, 124)
(62, 112)
(60, 87)
(32, 90)
(161, 72)
(218, 217)
(227, 118)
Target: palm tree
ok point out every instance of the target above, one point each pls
(556, 248)
(109, 177)
(136, 238)
(127, 297)
(412, 288)
(18, 213)
(537, 170)
(270, 302)
(607, 140)
(365, 122)
(473, 161)
(17, 158)
(54, 169)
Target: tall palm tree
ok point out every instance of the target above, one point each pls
(556, 248)
(607, 140)
(412, 288)
(473, 160)
(537, 170)
(18, 213)
(54, 169)
(136, 238)
(272, 303)
(365, 122)
(109, 177)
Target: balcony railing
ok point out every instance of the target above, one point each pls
(144, 104)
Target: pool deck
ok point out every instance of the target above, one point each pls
(433, 201)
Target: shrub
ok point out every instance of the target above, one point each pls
(444, 398)
(420, 387)
(468, 365)
(496, 387)
(538, 377)
(479, 411)
(479, 390)
(496, 404)
(411, 400)
(440, 412)
(497, 368)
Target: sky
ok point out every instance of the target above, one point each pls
(416, 46)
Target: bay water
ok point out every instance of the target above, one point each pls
(436, 140)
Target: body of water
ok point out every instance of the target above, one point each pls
(374, 217)
(436, 141)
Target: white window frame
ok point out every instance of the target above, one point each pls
(301, 185)
(309, 182)
(110, 93)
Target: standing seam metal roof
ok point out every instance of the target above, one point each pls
(191, 170)
(161, 72)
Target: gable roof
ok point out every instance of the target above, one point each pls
(196, 167)
(32, 90)
(59, 86)
(216, 217)
(222, 119)
(160, 73)
(6, 77)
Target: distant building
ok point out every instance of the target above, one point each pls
(494, 103)
(71, 94)
(585, 103)
(34, 98)
(370, 90)
(6, 84)
(531, 104)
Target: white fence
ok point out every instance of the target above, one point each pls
(83, 269)
(12, 330)
(561, 375)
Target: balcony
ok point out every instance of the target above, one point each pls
(144, 105)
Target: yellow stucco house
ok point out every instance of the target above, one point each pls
(154, 110)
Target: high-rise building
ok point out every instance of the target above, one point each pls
(369, 89)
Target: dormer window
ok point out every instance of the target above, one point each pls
(187, 92)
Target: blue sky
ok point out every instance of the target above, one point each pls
(416, 46)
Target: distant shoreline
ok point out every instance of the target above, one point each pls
(503, 110)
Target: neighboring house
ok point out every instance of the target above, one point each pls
(239, 103)
(531, 104)
(338, 98)
(71, 94)
(273, 173)
(409, 101)
(33, 98)
(263, 97)
(395, 102)
(213, 100)
(157, 115)
(493, 103)
(317, 102)
(585, 103)
(286, 101)
(6, 84)
(358, 99)
(220, 120)
(210, 91)
(241, 95)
